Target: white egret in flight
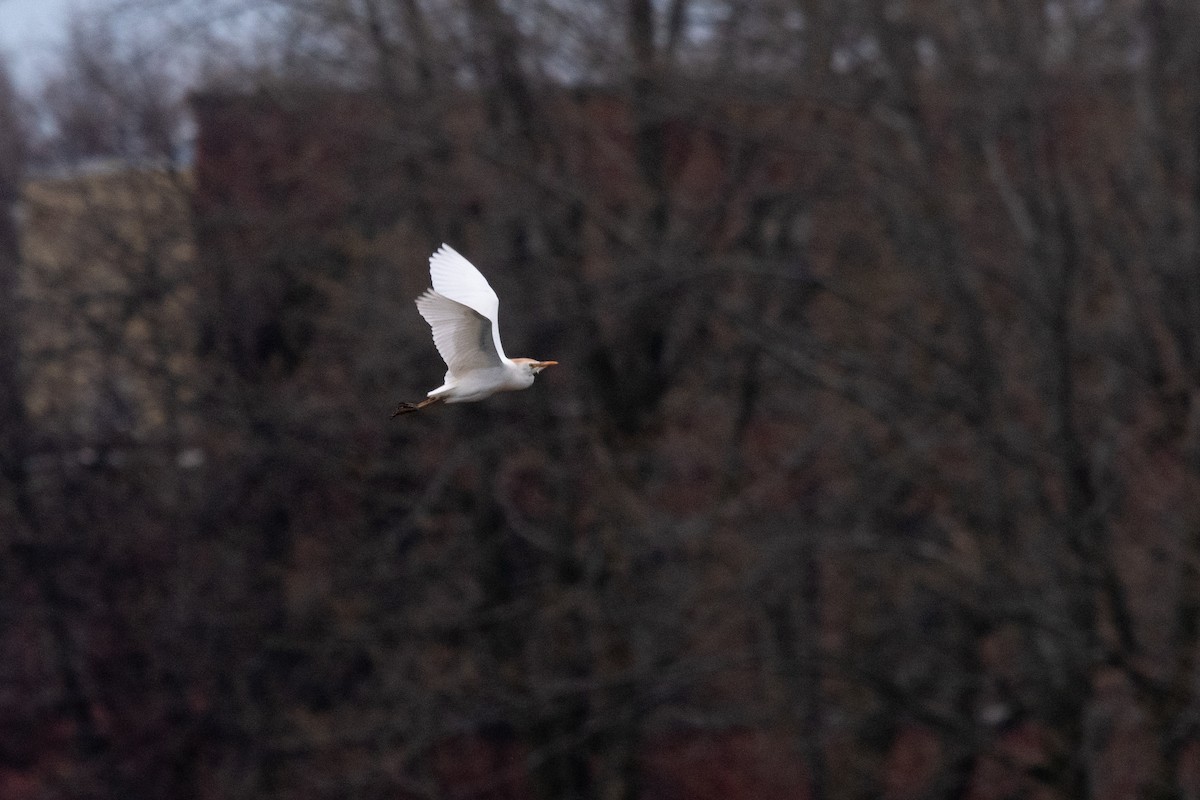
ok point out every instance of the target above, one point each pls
(463, 311)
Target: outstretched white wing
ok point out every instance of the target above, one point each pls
(456, 279)
(462, 335)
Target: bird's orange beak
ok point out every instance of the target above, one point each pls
(544, 364)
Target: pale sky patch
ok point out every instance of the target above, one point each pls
(30, 30)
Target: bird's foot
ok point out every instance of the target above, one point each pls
(405, 408)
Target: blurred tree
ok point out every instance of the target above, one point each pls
(874, 448)
(97, 332)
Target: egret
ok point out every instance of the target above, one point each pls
(463, 311)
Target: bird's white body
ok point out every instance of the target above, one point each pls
(464, 314)
(481, 383)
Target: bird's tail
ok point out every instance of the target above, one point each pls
(406, 408)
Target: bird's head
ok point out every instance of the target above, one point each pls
(534, 367)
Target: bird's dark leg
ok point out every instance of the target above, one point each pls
(405, 408)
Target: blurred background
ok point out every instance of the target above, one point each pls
(871, 468)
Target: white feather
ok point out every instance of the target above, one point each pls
(455, 278)
(461, 334)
